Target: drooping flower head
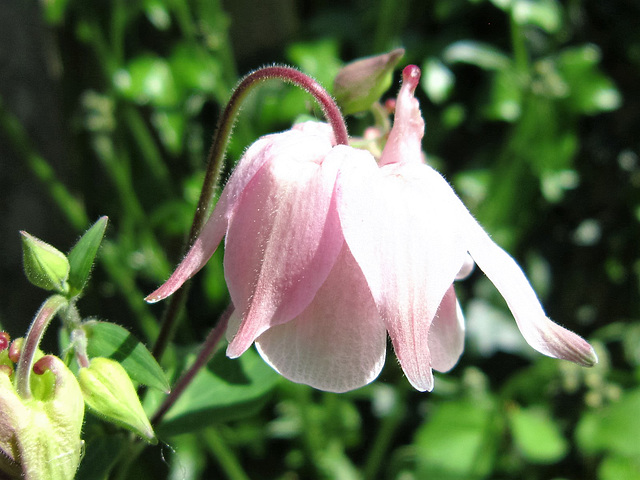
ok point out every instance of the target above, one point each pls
(327, 250)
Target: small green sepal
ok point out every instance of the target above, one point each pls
(109, 392)
(83, 254)
(45, 266)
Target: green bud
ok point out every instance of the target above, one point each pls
(109, 392)
(360, 84)
(40, 437)
(45, 266)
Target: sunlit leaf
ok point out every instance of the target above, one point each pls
(480, 54)
(458, 442)
(225, 389)
(536, 435)
(148, 79)
(107, 339)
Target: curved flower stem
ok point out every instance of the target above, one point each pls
(40, 323)
(215, 162)
(208, 349)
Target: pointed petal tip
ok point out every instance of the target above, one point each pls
(590, 359)
(161, 293)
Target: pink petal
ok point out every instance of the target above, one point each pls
(405, 240)
(539, 331)
(283, 241)
(446, 335)
(338, 342)
(317, 142)
(404, 143)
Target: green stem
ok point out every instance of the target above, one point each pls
(224, 455)
(41, 321)
(216, 161)
(519, 47)
(383, 439)
(206, 353)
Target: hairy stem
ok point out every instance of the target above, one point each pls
(36, 331)
(208, 349)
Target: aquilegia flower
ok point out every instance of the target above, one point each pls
(327, 250)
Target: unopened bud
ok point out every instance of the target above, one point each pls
(44, 265)
(361, 83)
(109, 392)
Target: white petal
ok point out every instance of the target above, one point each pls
(338, 343)
(282, 241)
(409, 246)
(446, 335)
(539, 331)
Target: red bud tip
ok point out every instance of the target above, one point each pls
(411, 76)
(44, 364)
(4, 340)
(7, 370)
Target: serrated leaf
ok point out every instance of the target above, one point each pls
(107, 339)
(44, 265)
(537, 437)
(225, 389)
(83, 254)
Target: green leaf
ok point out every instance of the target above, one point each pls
(44, 265)
(480, 54)
(54, 11)
(458, 442)
(170, 127)
(148, 79)
(437, 80)
(83, 254)
(590, 91)
(545, 14)
(619, 468)
(320, 59)
(536, 435)
(612, 429)
(226, 389)
(107, 339)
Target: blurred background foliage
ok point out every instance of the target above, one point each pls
(532, 111)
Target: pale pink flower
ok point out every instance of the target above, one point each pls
(327, 250)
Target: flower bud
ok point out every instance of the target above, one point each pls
(40, 436)
(361, 83)
(109, 392)
(4, 340)
(45, 266)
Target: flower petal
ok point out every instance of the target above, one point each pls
(407, 243)
(283, 240)
(338, 343)
(318, 142)
(446, 335)
(539, 331)
(404, 143)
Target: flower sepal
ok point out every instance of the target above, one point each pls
(47, 426)
(110, 394)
